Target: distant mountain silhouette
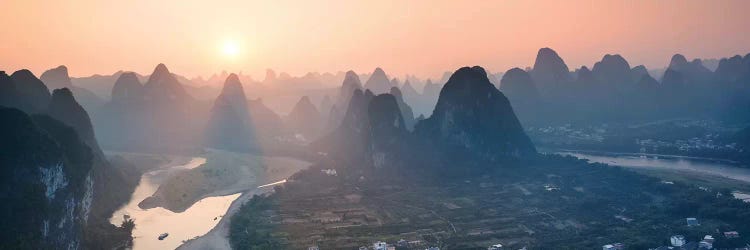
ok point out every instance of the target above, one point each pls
(473, 116)
(517, 83)
(550, 72)
(325, 108)
(521, 90)
(348, 142)
(406, 111)
(378, 82)
(336, 113)
(638, 72)
(410, 93)
(265, 122)
(58, 78)
(614, 72)
(430, 93)
(694, 72)
(229, 125)
(305, 119)
(64, 107)
(164, 117)
(33, 95)
(127, 89)
(162, 86)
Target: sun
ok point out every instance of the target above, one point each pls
(230, 48)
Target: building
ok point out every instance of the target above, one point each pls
(402, 243)
(705, 245)
(613, 246)
(731, 234)
(677, 240)
(313, 248)
(380, 245)
(692, 222)
(495, 247)
(708, 238)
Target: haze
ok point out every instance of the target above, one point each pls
(425, 38)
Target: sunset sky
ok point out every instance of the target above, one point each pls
(424, 38)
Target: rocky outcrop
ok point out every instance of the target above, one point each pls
(471, 115)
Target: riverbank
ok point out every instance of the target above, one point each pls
(218, 237)
(706, 172)
(651, 155)
(223, 173)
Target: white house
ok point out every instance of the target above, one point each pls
(677, 240)
(692, 222)
(380, 246)
(496, 247)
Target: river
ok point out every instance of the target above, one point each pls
(702, 166)
(150, 223)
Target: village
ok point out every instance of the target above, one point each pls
(555, 201)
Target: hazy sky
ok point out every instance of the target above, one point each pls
(425, 38)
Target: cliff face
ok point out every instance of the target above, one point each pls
(46, 186)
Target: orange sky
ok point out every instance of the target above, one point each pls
(421, 37)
